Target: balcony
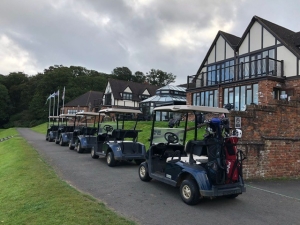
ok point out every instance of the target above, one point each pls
(247, 70)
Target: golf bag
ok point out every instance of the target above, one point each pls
(232, 163)
(215, 165)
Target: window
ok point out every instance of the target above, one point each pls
(74, 111)
(107, 100)
(220, 73)
(127, 96)
(206, 98)
(257, 65)
(143, 97)
(241, 96)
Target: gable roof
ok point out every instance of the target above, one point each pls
(118, 86)
(85, 99)
(231, 39)
(287, 37)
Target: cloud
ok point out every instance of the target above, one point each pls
(14, 58)
(173, 36)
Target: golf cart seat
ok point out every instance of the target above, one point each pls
(119, 135)
(199, 151)
(53, 128)
(89, 130)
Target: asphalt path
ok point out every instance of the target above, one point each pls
(155, 203)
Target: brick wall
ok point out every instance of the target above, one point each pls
(271, 139)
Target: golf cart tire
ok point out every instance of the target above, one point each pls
(93, 155)
(78, 148)
(61, 143)
(189, 192)
(49, 138)
(110, 159)
(70, 146)
(143, 173)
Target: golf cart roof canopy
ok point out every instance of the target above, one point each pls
(66, 115)
(191, 108)
(119, 110)
(53, 117)
(87, 114)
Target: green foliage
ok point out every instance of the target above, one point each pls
(4, 103)
(159, 77)
(26, 95)
(122, 73)
(31, 192)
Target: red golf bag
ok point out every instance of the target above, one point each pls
(232, 163)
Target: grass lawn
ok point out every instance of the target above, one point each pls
(31, 192)
(145, 126)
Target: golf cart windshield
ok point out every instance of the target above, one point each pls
(162, 131)
(161, 135)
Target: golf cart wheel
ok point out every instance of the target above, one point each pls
(78, 147)
(143, 172)
(49, 138)
(110, 159)
(232, 196)
(189, 192)
(93, 155)
(139, 161)
(70, 145)
(61, 143)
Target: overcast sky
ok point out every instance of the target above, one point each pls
(170, 35)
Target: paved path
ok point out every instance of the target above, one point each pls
(265, 202)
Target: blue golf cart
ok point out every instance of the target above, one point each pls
(117, 143)
(84, 134)
(209, 167)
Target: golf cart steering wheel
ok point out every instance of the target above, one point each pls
(171, 137)
(108, 128)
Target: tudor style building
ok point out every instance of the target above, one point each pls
(126, 94)
(88, 102)
(258, 68)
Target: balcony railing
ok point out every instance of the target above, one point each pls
(245, 70)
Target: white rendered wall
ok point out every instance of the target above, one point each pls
(146, 92)
(125, 103)
(289, 61)
(255, 37)
(244, 46)
(211, 57)
(229, 52)
(268, 39)
(128, 90)
(220, 46)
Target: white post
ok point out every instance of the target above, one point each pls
(57, 102)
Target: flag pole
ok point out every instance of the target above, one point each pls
(63, 98)
(54, 104)
(49, 110)
(57, 102)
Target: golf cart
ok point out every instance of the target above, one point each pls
(52, 128)
(210, 167)
(117, 143)
(84, 135)
(65, 132)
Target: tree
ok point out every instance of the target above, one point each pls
(159, 77)
(4, 102)
(139, 77)
(122, 73)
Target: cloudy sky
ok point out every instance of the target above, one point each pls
(170, 35)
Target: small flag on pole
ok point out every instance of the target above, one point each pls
(63, 94)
